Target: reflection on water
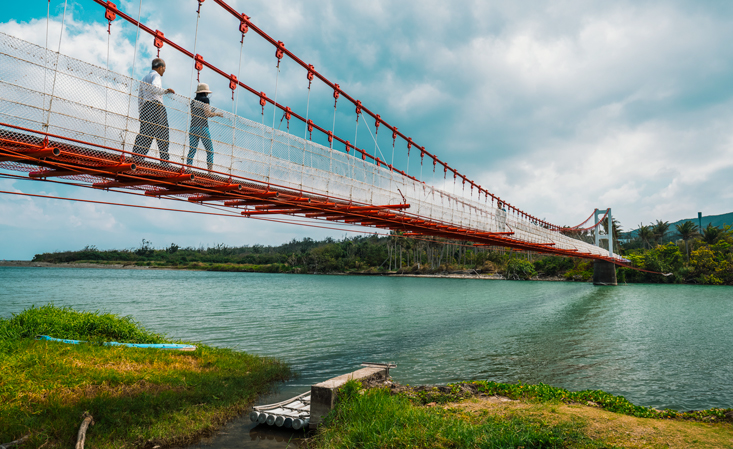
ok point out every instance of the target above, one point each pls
(242, 433)
(657, 345)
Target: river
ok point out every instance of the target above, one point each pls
(665, 346)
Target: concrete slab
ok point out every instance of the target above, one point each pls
(324, 394)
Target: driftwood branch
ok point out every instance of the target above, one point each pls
(88, 420)
(14, 443)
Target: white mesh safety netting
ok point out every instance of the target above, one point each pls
(51, 93)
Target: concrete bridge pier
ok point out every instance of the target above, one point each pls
(604, 273)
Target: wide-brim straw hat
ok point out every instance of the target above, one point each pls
(203, 88)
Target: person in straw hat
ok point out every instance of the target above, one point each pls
(200, 113)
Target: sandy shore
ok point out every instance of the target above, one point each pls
(28, 263)
(119, 266)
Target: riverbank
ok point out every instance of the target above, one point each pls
(32, 264)
(137, 397)
(490, 414)
(707, 261)
(245, 268)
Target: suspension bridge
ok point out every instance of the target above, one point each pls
(64, 120)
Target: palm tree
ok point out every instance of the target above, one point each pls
(617, 230)
(660, 229)
(711, 234)
(686, 231)
(645, 234)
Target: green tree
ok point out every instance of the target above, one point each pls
(617, 230)
(686, 231)
(520, 269)
(645, 234)
(711, 234)
(659, 229)
(707, 266)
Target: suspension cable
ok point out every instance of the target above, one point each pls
(58, 55)
(333, 127)
(132, 72)
(106, 80)
(45, 55)
(236, 107)
(422, 157)
(306, 222)
(356, 132)
(190, 87)
(48, 19)
(195, 42)
(184, 211)
(274, 109)
(307, 104)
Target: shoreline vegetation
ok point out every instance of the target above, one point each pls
(495, 415)
(137, 397)
(694, 258)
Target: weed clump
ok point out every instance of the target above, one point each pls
(65, 322)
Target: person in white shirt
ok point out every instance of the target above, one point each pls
(501, 216)
(153, 116)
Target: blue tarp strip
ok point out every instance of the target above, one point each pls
(114, 343)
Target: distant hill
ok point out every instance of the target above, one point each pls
(716, 220)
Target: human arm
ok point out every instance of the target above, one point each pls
(211, 112)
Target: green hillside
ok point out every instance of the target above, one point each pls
(715, 220)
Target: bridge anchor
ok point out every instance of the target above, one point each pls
(604, 272)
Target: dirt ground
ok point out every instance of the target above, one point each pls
(613, 428)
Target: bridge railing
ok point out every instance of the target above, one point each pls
(53, 93)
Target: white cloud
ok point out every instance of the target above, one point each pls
(84, 41)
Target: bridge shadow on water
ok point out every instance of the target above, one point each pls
(561, 342)
(565, 348)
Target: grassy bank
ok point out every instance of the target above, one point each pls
(494, 415)
(137, 397)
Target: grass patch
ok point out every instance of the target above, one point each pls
(546, 393)
(377, 419)
(138, 397)
(615, 429)
(481, 415)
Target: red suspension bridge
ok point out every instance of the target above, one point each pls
(64, 119)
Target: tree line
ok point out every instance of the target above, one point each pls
(685, 253)
(369, 254)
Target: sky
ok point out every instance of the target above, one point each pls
(558, 107)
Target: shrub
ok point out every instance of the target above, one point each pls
(520, 269)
